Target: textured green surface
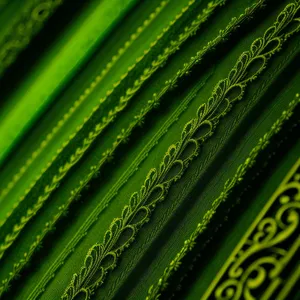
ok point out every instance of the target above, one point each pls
(243, 223)
(88, 113)
(31, 99)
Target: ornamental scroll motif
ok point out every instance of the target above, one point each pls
(265, 264)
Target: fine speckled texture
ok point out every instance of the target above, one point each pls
(141, 144)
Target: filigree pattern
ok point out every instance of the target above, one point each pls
(98, 129)
(223, 35)
(92, 135)
(256, 267)
(176, 160)
(154, 291)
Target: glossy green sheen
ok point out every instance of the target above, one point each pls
(138, 142)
